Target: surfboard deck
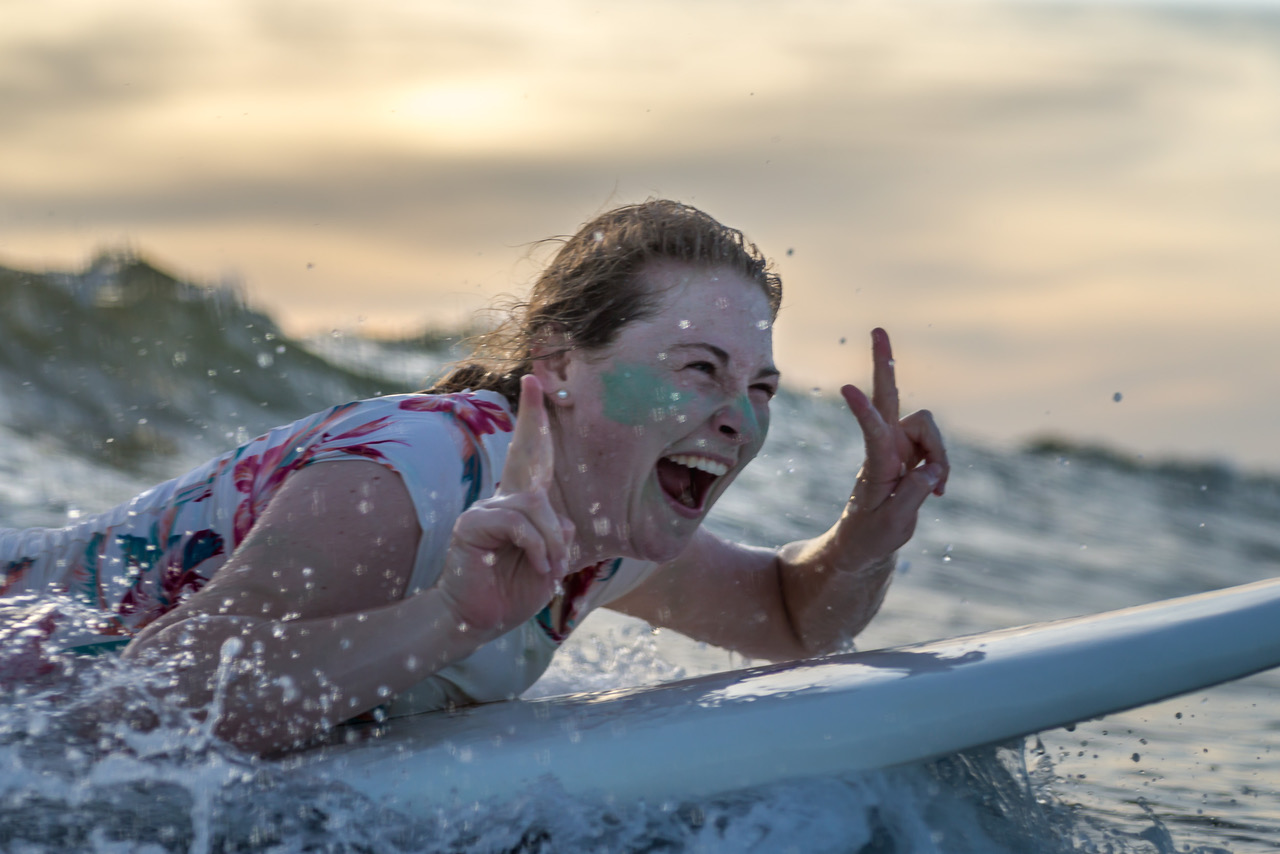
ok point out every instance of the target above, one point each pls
(846, 713)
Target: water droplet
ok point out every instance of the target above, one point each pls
(288, 691)
(411, 663)
(1117, 397)
(384, 691)
(490, 558)
(684, 324)
(266, 360)
(230, 649)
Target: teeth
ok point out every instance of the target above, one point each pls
(701, 463)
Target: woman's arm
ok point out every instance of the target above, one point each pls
(812, 596)
(308, 611)
(311, 604)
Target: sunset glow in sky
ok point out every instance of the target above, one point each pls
(1045, 204)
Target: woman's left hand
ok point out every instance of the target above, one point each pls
(905, 462)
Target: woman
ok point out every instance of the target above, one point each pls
(418, 551)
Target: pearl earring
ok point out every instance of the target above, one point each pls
(562, 394)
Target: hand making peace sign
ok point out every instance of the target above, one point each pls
(905, 462)
(508, 553)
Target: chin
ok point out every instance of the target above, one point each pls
(661, 538)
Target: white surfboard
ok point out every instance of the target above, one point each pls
(859, 711)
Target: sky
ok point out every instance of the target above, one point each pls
(1047, 205)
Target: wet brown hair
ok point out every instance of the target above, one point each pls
(592, 288)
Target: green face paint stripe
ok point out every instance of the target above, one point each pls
(748, 413)
(632, 391)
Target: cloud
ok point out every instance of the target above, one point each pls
(1039, 198)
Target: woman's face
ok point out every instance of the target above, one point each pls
(659, 423)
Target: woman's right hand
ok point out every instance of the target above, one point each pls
(508, 553)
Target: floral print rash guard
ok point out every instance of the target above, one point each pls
(135, 562)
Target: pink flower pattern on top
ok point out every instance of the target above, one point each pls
(481, 416)
(140, 560)
(260, 475)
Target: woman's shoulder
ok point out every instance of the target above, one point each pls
(479, 412)
(421, 436)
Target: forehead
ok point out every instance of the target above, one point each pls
(695, 298)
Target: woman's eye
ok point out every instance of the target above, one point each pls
(769, 391)
(704, 367)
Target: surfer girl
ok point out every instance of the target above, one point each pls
(419, 551)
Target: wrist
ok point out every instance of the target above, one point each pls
(866, 568)
(464, 626)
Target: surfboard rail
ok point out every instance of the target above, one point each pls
(845, 713)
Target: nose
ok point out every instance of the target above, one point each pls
(736, 422)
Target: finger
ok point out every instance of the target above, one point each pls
(531, 455)
(493, 528)
(911, 493)
(882, 465)
(556, 531)
(884, 384)
(927, 444)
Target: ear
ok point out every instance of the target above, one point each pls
(551, 361)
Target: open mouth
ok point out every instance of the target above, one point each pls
(687, 478)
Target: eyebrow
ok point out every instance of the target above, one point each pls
(769, 372)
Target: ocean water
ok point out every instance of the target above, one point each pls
(113, 379)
